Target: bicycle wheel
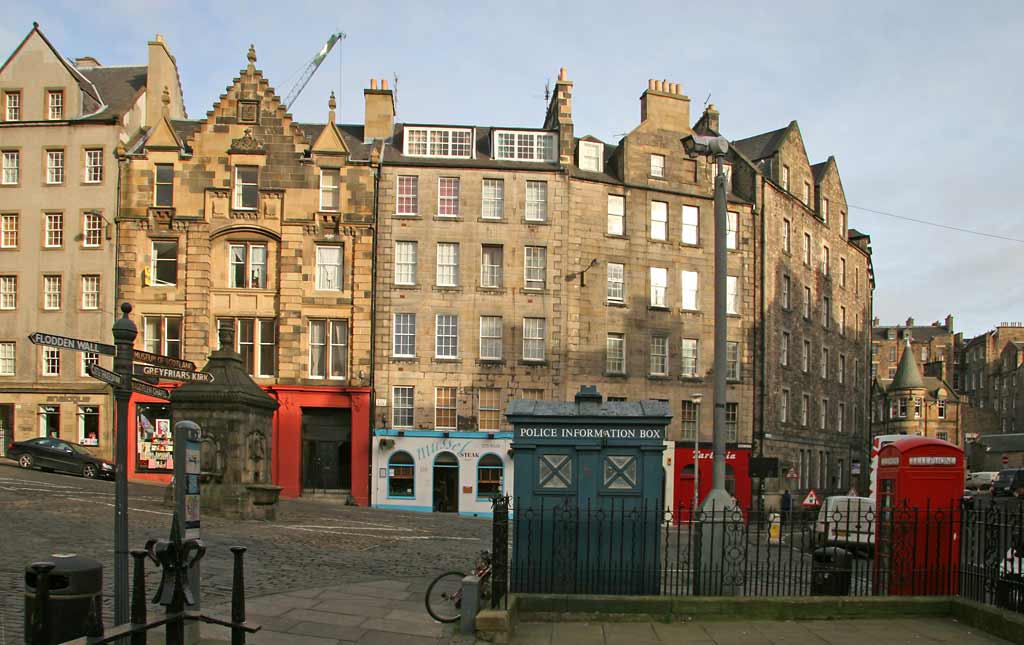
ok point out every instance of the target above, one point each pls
(444, 597)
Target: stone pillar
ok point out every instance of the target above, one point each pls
(236, 417)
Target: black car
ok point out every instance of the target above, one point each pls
(1009, 482)
(54, 454)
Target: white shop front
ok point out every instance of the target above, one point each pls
(430, 471)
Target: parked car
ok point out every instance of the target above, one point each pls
(848, 522)
(981, 480)
(54, 454)
(1009, 482)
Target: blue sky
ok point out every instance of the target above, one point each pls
(917, 101)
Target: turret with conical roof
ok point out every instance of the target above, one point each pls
(908, 377)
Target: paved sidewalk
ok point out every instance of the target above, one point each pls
(918, 631)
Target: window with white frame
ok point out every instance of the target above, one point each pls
(659, 221)
(534, 343)
(248, 265)
(90, 292)
(807, 303)
(691, 225)
(784, 295)
(402, 405)
(51, 361)
(616, 215)
(12, 167)
(52, 287)
(805, 359)
(493, 205)
(445, 408)
(805, 409)
(448, 197)
(688, 358)
(823, 414)
(807, 249)
(659, 286)
(446, 336)
(93, 166)
(54, 230)
(330, 189)
(490, 338)
(535, 260)
(447, 274)
(536, 201)
(164, 269)
(784, 406)
(92, 230)
(524, 146)
(616, 282)
(8, 292)
(732, 298)
(247, 187)
(407, 201)
(690, 290)
(454, 143)
(89, 358)
(842, 368)
(786, 233)
(162, 335)
(690, 418)
(824, 362)
(826, 312)
(824, 209)
(488, 402)
(732, 421)
(8, 231)
(784, 349)
(941, 409)
(404, 337)
(659, 355)
(7, 358)
(163, 185)
(491, 262)
(12, 106)
(615, 353)
(825, 260)
(842, 272)
(89, 425)
(405, 263)
(785, 178)
(732, 228)
(592, 156)
(657, 165)
(328, 267)
(840, 417)
(255, 342)
(328, 349)
(732, 360)
(55, 105)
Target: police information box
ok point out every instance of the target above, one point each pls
(589, 488)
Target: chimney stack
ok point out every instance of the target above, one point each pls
(380, 111)
(665, 105)
(161, 73)
(559, 117)
(949, 323)
(910, 322)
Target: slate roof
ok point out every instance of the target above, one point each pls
(1002, 442)
(118, 88)
(818, 171)
(917, 333)
(761, 146)
(930, 384)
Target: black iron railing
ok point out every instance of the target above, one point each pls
(624, 547)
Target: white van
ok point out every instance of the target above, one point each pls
(980, 480)
(847, 522)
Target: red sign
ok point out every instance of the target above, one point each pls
(1006, 459)
(791, 474)
(812, 499)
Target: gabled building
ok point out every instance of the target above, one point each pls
(61, 121)
(248, 219)
(934, 348)
(912, 404)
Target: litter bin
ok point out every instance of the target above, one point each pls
(76, 584)
(831, 571)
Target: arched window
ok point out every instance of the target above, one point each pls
(401, 476)
(490, 475)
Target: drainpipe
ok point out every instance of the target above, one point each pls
(373, 292)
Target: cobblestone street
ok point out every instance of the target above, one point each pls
(313, 543)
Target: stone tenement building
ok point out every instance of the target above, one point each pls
(523, 263)
(61, 121)
(981, 359)
(912, 404)
(246, 218)
(934, 348)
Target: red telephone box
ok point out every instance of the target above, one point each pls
(917, 532)
(737, 476)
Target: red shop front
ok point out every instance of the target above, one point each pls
(321, 440)
(737, 475)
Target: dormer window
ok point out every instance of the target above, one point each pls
(824, 210)
(455, 143)
(330, 189)
(524, 146)
(807, 194)
(55, 104)
(785, 178)
(246, 187)
(890, 334)
(592, 156)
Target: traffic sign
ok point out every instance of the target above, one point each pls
(163, 361)
(852, 492)
(104, 375)
(812, 499)
(791, 473)
(150, 390)
(1006, 460)
(173, 374)
(76, 344)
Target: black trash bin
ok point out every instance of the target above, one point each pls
(831, 571)
(76, 586)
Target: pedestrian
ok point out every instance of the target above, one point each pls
(787, 505)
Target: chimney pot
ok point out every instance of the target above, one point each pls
(563, 75)
(159, 38)
(910, 322)
(650, 83)
(675, 88)
(383, 83)
(664, 85)
(657, 85)
(373, 83)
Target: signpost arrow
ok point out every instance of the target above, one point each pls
(102, 374)
(173, 374)
(163, 361)
(76, 344)
(150, 390)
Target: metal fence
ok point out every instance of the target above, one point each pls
(975, 551)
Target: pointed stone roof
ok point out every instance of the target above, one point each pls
(908, 376)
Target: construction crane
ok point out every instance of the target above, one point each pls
(311, 68)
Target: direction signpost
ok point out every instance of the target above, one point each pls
(76, 344)
(150, 390)
(173, 374)
(161, 360)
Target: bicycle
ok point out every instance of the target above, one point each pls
(444, 595)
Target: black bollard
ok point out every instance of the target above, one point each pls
(41, 630)
(138, 617)
(238, 598)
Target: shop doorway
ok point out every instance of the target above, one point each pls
(446, 483)
(326, 449)
(6, 426)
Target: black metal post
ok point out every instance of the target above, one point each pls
(499, 551)
(238, 598)
(139, 596)
(41, 615)
(124, 331)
